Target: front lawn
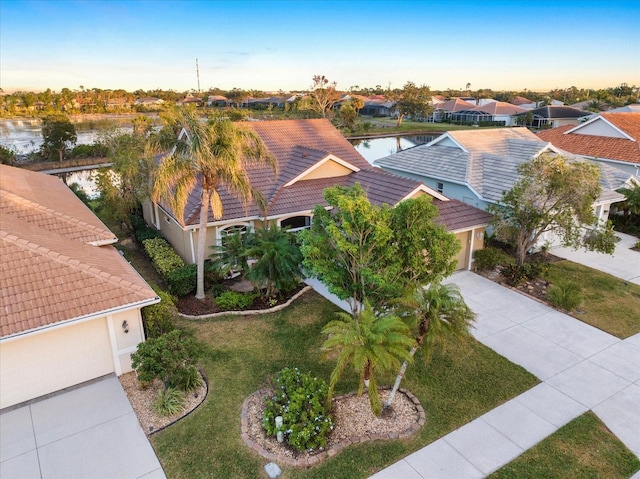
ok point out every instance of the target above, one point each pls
(584, 448)
(242, 353)
(609, 303)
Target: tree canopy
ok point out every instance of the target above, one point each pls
(553, 196)
(368, 253)
(58, 134)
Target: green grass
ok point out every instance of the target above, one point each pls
(583, 449)
(609, 303)
(243, 353)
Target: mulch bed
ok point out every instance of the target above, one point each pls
(191, 306)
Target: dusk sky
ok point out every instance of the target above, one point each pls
(272, 45)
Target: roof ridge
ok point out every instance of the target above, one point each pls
(50, 211)
(66, 260)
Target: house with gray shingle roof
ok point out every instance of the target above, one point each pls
(70, 302)
(476, 166)
(312, 155)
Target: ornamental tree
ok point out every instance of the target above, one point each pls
(58, 134)
(552, 196)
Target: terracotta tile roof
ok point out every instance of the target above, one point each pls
(456, 215)
(521, 101)
(43, 200)
(455, 104)
(300, 144)
(605, 147)
(499, 108)
(48, 276)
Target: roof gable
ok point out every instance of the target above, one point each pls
(323, 165)
(600, 126)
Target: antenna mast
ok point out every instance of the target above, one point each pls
(198, 75)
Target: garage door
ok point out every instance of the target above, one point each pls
(39, 364)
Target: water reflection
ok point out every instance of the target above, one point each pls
(374, 148)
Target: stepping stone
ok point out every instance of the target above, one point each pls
(272, 470)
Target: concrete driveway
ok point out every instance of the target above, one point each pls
(86, 432)
(624, 263)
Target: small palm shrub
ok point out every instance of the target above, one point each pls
(168, 402)
(301, 400)
(565, 294)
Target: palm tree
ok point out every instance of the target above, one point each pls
(631, 204)
(278, 260)
(369, 343)
(439, 313)
(215, 154)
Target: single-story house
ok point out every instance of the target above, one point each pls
(312, 155)
(608, 138)
(70, 302)
(443, 111)
(476, 166)
(494, 111)
(556, 115)
(378, 106)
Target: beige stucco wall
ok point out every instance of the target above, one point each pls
(470, 241)
(329, 169)
(43, 362)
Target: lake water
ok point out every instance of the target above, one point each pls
(375, 148)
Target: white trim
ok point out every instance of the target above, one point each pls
(193, 250)
(600, 118)
(319, 164)
(470, 260)
(425, 189)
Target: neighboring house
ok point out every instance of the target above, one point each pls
(633, 107)
(312, 155)
(555, 115)
(523, 102)
(443, 111)
(150, 102)
(70, 302)
(494, 111)
(217, 100)
(378, 107)
(609, 138)
(190, 100)
(476, 166)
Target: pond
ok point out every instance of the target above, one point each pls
(374, 148)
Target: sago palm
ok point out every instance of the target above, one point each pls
(438, 314)
(214, 154)
(368, 344)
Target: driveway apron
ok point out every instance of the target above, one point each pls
(88, 431)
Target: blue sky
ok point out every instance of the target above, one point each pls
(272, 45)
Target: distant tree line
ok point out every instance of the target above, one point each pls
(97, 100)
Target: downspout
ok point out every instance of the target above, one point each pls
(193, 251)
(473, 233)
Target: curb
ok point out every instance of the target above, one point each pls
(334, 449)
(275, 309)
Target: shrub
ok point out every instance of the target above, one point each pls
(158, 318)
(232, 300)
(182, 281)
(565, 294)
(516, 275)
(486, 259)
(167, 358)
(301, 400)
(162, 255)
(8, 155)
(168, 402)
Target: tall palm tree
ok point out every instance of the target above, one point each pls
(368, 343)
(439, 313)
(214, 154)
(631, 204)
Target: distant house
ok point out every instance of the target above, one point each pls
(497, 112)
(312, 155)
(609, 138)
(70, 302)
(477, 166)
(554, 116)
(217, 100)
(190, 100)
(378, 106)
(523, 102)
(149, 102)
(444, 110)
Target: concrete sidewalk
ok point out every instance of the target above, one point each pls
(624, 263)
(581, 369)
(86, 432)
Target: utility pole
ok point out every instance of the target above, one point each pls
(198, 75)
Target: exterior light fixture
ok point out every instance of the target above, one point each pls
(125, 326)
